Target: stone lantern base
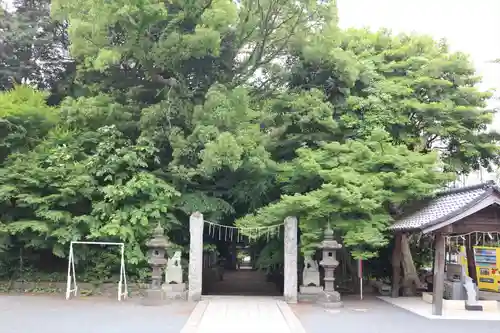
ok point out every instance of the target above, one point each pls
(329, 300)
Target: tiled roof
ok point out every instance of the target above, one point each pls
(444, 206)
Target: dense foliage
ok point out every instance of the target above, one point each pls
(246, 111)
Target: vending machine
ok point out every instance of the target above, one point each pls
(487, 260)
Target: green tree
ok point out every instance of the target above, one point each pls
(351, 187)
(25, 119)
(226, 107)
(85, 185)
(424, 95)
(33, 47)
(343, 85)
(181, 61)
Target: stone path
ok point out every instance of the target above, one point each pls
(242, 315)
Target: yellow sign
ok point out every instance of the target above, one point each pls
(487, 261)
(462, 255)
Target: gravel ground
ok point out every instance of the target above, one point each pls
(374, 316)
(41, 314)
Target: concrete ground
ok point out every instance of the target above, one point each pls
(418, 306)
(42, 314)
(376, 316)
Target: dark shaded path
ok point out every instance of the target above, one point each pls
(244, 282)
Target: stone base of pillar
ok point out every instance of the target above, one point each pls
(154, 297)
(175, 291)
(330, 300)
(177, 287)
(194, 296)
(473, 307)
(309, 293)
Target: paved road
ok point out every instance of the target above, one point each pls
(376, 316)
(40, 314)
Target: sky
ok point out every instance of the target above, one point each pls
(470, 26)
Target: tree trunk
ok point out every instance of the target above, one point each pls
(351, 268)
(396, 266)
(410, 276)
(349, 263)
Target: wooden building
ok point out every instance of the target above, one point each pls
(468, 211)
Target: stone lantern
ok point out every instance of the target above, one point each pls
(330, 298)
(156, 258)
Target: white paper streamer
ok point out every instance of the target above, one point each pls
(230, 233)
(481, 238)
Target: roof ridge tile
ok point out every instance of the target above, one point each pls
(485, 185)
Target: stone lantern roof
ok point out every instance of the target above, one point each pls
(159, 239)
(329, 243)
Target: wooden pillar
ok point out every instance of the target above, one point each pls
(439, 256)
(396, 266)
(471, 262)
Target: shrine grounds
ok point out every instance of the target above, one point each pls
(42, 314)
